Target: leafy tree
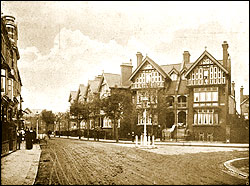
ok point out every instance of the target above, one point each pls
(153, 100)
(48, 117)
(94, 109)
(81, 112)
(117, 107)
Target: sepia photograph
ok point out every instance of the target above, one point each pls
(125, 92)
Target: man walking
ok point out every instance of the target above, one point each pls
(19, 139)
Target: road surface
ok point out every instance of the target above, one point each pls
(75, 162)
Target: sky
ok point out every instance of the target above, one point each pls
(63, 44)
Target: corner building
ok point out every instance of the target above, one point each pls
(11, 100)
(197, 96)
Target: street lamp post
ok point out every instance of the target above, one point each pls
(145, 124)
(37, 125)
(145, 129)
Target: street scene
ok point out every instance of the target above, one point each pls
(124, 93)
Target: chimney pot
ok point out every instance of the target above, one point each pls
(233, 89)
(139, 58)
(241, 94)
(225, 54)
(186, 57)
(126, 71)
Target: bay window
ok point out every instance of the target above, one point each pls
(206, 96)
(206, 117)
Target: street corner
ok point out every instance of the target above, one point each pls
(238, 167)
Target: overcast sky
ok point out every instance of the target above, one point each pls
(96, 36)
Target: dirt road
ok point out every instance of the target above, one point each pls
(74, 162)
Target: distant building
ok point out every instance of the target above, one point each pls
(11, 99)
(81, 98)
(91, 94)
(244, 104)
(72, 100)
(33, 120)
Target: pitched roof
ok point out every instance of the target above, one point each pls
(112, 79)
(93, 85)
(72, 95)
(245, 98)
(82, 88)
(183, 87)
(81, 91)
(168, 68)
(154, 64)
(171, 88)
(32, 112)
(206, 53)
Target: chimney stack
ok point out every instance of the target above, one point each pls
(241, 94)
(233, 89)
(126, 71)
(139, 58)
(186, 57)
(225, 54)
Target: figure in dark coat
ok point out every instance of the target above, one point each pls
(28, 139)
(19, 139)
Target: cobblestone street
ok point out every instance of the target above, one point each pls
(67, 161)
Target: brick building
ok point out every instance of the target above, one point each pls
(197, 95)
(187, 100)
(11, 100)
(244, 104)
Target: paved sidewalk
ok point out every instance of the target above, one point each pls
(178, 143)
(20, 167)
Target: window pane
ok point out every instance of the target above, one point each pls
(199, 118)
(196, 97)
(216, 118)
(208, 96)
(195, 118)
(214, 96)
(202, 96)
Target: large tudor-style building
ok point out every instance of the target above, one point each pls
(198, 94)
(191, 99)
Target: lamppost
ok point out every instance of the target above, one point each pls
(145, 116)
(37, 124)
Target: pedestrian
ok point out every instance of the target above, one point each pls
(19, 139)
(49, 132)
(133, 136)
(28, 139)
(97, 133)
(34, 136)
(23, 134)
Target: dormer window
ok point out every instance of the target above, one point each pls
(174, 76)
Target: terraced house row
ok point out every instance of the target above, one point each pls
(11, 99)
(192, 100)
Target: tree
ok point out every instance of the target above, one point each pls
(153, 100)
(94, 109)
(49, 118)
(116, 107)
(81, 112)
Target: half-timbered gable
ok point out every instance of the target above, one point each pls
(148, 73)
(206, 71)
(81, 93)
(107, 82)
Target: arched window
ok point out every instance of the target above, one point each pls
(170, 100)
